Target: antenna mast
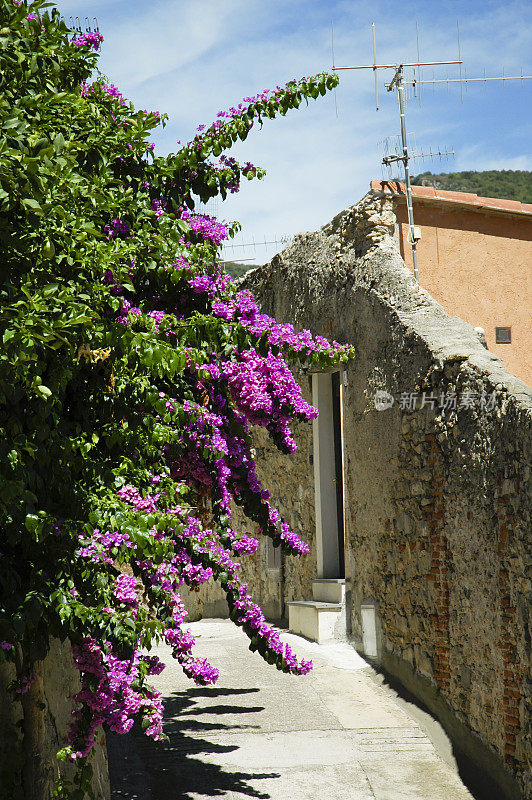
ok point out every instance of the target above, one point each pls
(398, 84)
(397, 81)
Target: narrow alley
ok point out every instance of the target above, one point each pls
(259, 733)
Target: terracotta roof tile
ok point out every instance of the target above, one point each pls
(463, 198)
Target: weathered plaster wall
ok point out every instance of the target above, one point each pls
(478, 265)
(61, 682)
(438, 500)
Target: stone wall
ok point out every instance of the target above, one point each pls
(61, 682)
(437, 498)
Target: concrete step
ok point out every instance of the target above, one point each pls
(315, 619)
(329, 590)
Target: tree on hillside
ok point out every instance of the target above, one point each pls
(131, 370)
(505, 183)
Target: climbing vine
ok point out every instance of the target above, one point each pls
(131, 370)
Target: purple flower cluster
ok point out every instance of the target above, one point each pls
(92, 39)
(108, 90)
(125, 311)
(200, 671)
(117, 228)
(112, 91)
(159, 206)
(245, 544)
(281, 335)
(207, 227)
(100, 547)
(154, 665)
(290, 539)
(250, 616)
(31, 17)
(132, 496)
(265, 391)
(201, 454)
(125, 589)
(112, 694)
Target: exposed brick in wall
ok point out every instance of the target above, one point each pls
(511, 707)
(434, 516)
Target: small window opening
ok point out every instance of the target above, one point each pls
(503, 335)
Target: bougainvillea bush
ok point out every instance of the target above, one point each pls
(131, 372)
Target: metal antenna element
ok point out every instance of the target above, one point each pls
(88, 28)
(467, 80)
(332, 51)
(419, 59)
(459, 56)
(375, 67)
(463, 79)
(388, 160)
(75, 24)
(398, 83)
(226, 255)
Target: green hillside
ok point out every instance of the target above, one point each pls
(237, 269)
(508, 184)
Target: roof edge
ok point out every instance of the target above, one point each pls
(430, 194)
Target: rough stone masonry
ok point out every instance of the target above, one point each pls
(437, 491)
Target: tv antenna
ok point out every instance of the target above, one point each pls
(391, 146)
(417, 82)
(251, 246)
(485, 79)
(398, 83)
(75, 24)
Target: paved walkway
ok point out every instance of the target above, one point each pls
(258, 733)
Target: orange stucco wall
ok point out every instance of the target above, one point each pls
(478, 265)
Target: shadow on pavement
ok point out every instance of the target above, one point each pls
(141, 769)
(478, 783)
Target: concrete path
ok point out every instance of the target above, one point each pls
(258, 733)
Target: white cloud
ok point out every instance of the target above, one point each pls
(165, 38)
(476, 159)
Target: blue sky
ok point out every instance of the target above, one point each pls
(191, 58)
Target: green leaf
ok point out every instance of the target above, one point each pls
(32, 205)
(31, 522)
(44, 390)
(59, 143)
(48, 249)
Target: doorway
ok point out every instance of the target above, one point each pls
(329, 474)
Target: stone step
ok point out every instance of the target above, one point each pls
(314, 619)
(329, 590)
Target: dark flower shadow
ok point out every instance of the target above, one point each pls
(141, 769)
